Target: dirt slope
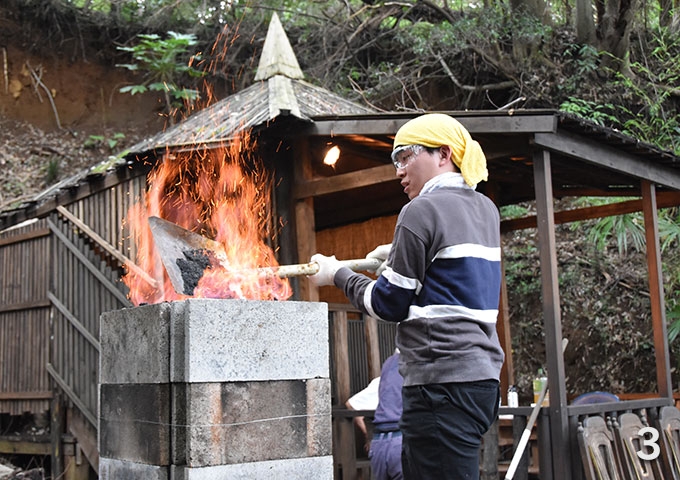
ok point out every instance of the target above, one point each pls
(53, 112)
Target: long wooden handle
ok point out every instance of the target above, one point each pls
(358, 264)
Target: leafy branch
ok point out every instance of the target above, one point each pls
(163, 62)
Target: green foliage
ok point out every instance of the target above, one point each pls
(52, 170)
(624, 229)
(602, 114)
(164, 63)
(628, 230)
(521, 270)
(96, 141)
(673, 320)
(513, 211)
(648, 110)
(669, 228)
(583, 62)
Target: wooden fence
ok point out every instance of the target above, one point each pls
(24, 319)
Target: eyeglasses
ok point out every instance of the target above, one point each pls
(402, 156)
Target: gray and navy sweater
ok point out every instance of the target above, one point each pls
(442, 284)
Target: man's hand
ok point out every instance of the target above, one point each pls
(328, 267)
(381, 253)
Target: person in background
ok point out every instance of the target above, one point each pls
(385, 445)
(441, 283)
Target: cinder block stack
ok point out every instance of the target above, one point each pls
(215, 389)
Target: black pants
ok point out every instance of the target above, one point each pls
(442, 427)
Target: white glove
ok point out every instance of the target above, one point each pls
(381, 253)
(328, 267)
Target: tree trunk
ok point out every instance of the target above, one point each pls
(534, 8)
(525, 46)
(669, 15)
(585, 23)
(613, 33)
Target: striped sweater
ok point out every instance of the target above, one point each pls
(442, 284)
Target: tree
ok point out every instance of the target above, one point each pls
(585, 23)
(163, 63)
(615, 22)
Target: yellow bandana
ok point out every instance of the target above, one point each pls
(436, 129)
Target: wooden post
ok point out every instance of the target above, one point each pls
(552, 321)
(56, 431)
(490, 453)
(656, 293)
(503, 321)
(305, 227)
(344, 449)
(505, 336)
(372, 347)
(519, 424)
(76, 467)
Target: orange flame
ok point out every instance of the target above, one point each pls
(221, 193)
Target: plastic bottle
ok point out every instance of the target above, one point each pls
(538, 382)
(513, 397)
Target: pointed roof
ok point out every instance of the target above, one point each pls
(277, 56)
(278, 90)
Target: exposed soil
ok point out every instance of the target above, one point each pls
(43, 140)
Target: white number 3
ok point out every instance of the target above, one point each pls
(650, 443)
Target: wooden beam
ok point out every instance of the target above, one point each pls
(75, 323)
(345, 181)
(37, 395)
(16, 307)
(597, 154)
(552, 321)
(90, 185)
(656, 292)
(87, 264)
(475, 124)
(71, 394)
(663, 200)
(17, 446)
(9, 240)
(86, 436)
(106, 246)
(340, 326)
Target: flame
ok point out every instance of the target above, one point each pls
(221, 193)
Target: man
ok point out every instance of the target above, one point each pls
(442, 284)
(385, 445)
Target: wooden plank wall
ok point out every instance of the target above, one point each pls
(352, 343)
(86, 284)
(24, 319)
(352, 241)
(355, 345)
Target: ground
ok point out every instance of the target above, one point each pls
(41, 142)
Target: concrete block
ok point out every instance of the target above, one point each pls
(316, 468)
(135, 345)
(319, 424)
(216, 389)
(113, 469)
(242, 422)
(134, 423)
(242, 340)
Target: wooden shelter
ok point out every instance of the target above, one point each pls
(64, 251)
